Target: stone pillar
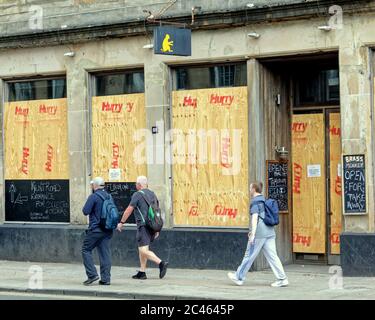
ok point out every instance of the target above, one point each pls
(157, 99)
(357, 256)
(78, 133)
(2, 181)
(257, 134)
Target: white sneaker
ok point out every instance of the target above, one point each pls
(232, 276)
(280, 283)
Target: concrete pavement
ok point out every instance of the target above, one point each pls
(37, 296)
(306, 282)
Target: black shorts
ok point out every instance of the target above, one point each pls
(144, 236)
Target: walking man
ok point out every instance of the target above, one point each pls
(96, 237)
(144, 236)
(261, 237)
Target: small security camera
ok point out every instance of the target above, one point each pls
(69, 54)
(148, 46)
(253, 35)
(325, 28)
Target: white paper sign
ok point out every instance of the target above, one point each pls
(339, 170)
(313, 171)
(114, 174)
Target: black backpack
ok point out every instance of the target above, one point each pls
(154, 220)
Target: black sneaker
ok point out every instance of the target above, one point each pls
(90, 281)
(163, 266)
(140, 276)
(102, 283)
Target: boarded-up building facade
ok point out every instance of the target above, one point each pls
(277, 91)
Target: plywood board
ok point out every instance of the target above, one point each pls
(210, 157)
(36, 140)
(116, 122)
(308, 184)
(336, 181)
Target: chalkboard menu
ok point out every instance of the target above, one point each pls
(354, 184)
(277, 183)
(37, 200)
(122, 193)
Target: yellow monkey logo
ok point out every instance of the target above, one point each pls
(167, 44)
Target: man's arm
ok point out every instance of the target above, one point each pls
(254, 224)
(254, 211)
(87, 208)
(125, 217)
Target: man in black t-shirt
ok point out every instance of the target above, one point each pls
(145, 236)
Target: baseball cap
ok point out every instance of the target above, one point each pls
(98, 181)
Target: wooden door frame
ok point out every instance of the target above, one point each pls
(331, 258)
(326, 258)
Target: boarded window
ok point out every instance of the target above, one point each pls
(205, 77)
(36, 151)
(121, 83)
(320, 87)
(37, 90)
(118, 125)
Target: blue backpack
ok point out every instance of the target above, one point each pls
(110, 216)
(271, 213)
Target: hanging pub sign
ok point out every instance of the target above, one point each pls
(172, 41)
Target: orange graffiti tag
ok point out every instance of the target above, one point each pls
(297, 176)
(190, 102)
(299, 127)
(221, 100)
(21, 111)
(193, 210)
(335, 238)
(302, 239)
(225, 145)
(338, 189)
(335, 131)
(220, 210)
(115, 155)
(48, 164)
(25, 161)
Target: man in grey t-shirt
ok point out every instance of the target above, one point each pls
(145, 236)
(261, 237)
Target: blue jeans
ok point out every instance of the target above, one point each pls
(268, 245)
(100, 240)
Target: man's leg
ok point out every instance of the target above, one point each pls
(149, 255)
(104, 251)
(269, 250)
(89, 243)
(251, 253)
(144, 238)
(143, 261)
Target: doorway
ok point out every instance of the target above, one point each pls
(316, 181)
(306, 91)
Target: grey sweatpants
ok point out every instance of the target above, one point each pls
(268, 245)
